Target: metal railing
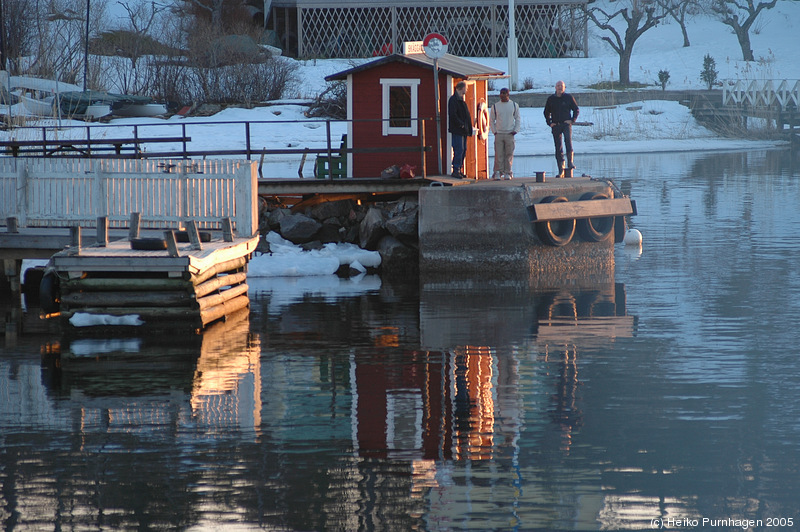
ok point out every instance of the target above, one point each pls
(322, 139)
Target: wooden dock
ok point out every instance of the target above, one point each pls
(44, 200)
(197, 286)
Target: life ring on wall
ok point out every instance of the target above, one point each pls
(483, 120)
(555, 232)
(595, 229)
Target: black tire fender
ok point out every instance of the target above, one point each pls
(556, 232)
(183, 236)
(595, 229)
(148, 244)
(49, 297)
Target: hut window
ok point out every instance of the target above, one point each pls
(399, 106)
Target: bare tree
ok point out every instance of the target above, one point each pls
(639, 16)
(678, 9)
(59, 33)
(740, 16)
(17, 33)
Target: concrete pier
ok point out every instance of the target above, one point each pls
(486, 228)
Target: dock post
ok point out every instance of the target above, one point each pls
(12, 224)
(172, 246)
(135, 223)
(13, 272)
(75, 239)
(194, 235)
(102, 231)
(227, 230)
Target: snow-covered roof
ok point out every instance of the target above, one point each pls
(449, 64)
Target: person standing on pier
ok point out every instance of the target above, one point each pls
(460, 127)
(560, 112)
(504, 120)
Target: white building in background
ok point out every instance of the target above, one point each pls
(478, 28)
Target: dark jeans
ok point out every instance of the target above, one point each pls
(559, 130)
(459, 151)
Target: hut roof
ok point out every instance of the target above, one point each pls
(449, 64)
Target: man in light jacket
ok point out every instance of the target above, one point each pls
(504, 120)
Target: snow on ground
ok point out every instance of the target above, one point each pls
(646, 126)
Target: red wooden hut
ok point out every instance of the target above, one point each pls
(391, 104)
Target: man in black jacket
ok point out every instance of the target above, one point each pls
(460, 127)
(560, 112)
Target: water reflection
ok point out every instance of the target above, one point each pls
(666, 390)
(152, 380)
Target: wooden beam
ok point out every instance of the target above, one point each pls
(225, 308)
(100, 284)
(216, 299)
(218, 282)
(128, 299)
(567, 210)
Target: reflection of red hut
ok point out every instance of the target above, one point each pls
(391, 104)
(436, 407)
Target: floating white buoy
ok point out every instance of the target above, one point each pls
(633, 237)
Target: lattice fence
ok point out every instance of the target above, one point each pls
(473, 30)
(764, 93)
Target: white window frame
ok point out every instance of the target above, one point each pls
(386, 85)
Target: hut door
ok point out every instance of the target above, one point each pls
(471, 160)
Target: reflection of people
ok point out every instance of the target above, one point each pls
(460, 127)
(504, 120)
(560, 112)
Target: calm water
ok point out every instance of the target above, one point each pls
(671, 393)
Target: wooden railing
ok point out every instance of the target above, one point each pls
(763, 93)
(63, 193)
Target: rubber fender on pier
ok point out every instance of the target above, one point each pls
(595, 229)
(555, 232)
(49, 298)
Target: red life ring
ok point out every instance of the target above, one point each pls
(483, 120)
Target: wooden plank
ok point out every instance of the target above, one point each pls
(216, 283)
(581, 209)
(128, 299)
(92, 284)
(224, 309)
(216, 269)
(226, 295)
(201, 261)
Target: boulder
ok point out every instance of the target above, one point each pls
(404, 226)
(372, 228)
(331, 209)
(299, 228)
(275, 216)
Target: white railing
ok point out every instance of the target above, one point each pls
(49, 192)
(763, 93)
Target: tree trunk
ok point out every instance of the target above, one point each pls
(625, 66)
(744, 41)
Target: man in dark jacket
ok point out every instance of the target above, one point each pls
(460, 127)
(560, 112)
